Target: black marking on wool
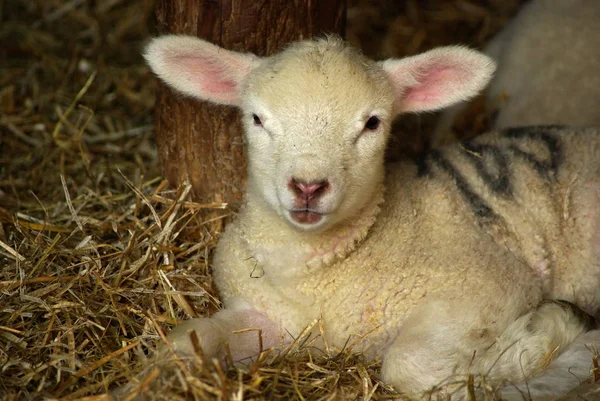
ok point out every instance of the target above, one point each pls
(477, 203)
(492, 166)
(422, 166)
(547, 167)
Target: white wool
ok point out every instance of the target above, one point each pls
(438, 266)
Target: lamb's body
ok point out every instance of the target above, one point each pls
(464, 250)
(441, 274)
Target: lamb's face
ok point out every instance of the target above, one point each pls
(317, 115)
(317, 126)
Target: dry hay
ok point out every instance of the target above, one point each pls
(99, 257)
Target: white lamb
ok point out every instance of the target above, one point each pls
(444, 266)
(548, 72)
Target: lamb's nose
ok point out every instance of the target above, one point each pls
(308, 190)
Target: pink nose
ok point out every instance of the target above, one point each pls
(308, 190)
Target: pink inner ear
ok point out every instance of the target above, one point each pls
(208, 77)
(432, 86)
(435, 84)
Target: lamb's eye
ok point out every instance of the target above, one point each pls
(372, 123)
(256, 120)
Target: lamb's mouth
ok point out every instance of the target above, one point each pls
(306, 216)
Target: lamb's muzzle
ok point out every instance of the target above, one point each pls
(441, 274)
(306, 205)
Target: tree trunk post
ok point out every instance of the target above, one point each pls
(202, 142)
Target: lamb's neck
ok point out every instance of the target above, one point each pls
(280, 250)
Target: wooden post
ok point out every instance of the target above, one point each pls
(202, 142)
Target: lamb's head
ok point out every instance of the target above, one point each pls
(317, 115)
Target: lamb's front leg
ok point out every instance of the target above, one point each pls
(212, 333)
(231, 327)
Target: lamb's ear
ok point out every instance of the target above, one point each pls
(437, 78)
(199, 68)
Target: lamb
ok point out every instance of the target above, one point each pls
(474, 259)
(548, 69)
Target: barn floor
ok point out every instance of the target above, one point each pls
(100, 258)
